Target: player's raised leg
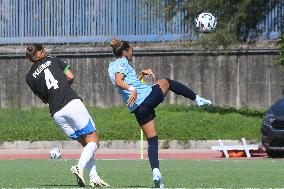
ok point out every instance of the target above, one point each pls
(180, 89)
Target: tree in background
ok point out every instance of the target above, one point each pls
(237, 19)
(280, 58)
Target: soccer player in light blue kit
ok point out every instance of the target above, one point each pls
(142, 99)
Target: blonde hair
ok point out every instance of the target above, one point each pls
(114, 43)
(118, 46)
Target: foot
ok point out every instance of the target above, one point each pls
(202, 101)
(97, 182)
(79, 175)
(157, 178)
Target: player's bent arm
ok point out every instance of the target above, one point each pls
(69, 75)
(147, 72)
(119, 81)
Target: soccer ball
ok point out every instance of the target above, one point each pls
(55, 153)
(205, 22)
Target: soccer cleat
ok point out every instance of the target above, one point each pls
(79, 175)
(97, 182)
(157, 178)
(202, 101)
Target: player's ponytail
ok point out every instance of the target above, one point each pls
(32, 50)
(119, 46)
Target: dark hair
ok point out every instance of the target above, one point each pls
(119, 46)
(31, 52)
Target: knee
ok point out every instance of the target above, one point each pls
(164, 85)
(168, 82)
(92, 137)
(153, 140)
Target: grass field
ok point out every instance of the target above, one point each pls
(136, 173)
(174, 122)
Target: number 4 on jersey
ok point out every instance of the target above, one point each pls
(49, 80)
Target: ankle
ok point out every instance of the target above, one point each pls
(156, 171)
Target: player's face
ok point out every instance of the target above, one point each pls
(129, 53)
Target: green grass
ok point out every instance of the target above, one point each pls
(174, 122)
(136, 173)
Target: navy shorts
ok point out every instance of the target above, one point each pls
(145, 112)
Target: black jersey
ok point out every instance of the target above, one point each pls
(48, 81)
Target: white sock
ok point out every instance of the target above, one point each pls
(92, 168)
(156, 171)
(87, 154)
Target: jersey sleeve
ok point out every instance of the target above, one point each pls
(63, 65)
(121, 67)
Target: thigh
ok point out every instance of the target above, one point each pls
(75, 118)
(164, 85)
(79, 115)
(144, 114)
(64, 124)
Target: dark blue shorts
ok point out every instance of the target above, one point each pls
(145, 112)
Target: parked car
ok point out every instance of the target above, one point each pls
(272, 130)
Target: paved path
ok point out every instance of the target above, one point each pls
(114, 154)
(109, 154)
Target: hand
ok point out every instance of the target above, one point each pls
(147, 73)
(132, 98)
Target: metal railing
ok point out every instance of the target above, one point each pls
(87, 21)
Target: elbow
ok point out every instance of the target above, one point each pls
(70, 80)
(118, 83)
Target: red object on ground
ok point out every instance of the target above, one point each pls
(236, 153)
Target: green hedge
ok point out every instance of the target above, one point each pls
(174, 122)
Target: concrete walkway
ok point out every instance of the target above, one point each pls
(112, 149)
(110, 154)
(118, 144)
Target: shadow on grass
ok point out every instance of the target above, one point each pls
(76, 186)
(61, 185)
(246, 111)
(228, 110)
(136, 186)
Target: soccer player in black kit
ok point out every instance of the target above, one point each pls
(50, 78)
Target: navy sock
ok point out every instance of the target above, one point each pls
(181, 89)
(153, 152)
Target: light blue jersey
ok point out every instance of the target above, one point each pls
(130, 77)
